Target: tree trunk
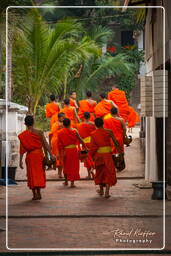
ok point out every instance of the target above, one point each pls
(65, 87)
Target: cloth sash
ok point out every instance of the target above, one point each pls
(87, 139)
(106, 149)
(71, 146)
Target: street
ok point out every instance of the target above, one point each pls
(80, 218)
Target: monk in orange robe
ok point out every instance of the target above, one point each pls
(32, 142)
(101, 151)
(68, 139)
(85, 129)
(104, 106)
(133, 118)
(52, 107)
(117, 125)
(71, 113)
(54, 142)
(73, 102)
(87, 105)
(119, 98)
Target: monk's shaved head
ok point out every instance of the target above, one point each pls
(66, 122)
(86, 115)
(89, 94)
(99, 122)
(66, 101)
(52, 97)
(29, 120)
(114, 111)
(103, 95)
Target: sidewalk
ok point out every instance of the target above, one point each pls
(80, 218)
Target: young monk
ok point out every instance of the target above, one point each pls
(119, 98)
(71, 113)
(54, 142)
(52, 107)
(104, 106)
(32, 141)
(87, 105)
(117, 125)
(85, 129)
(101, 151)
(73, 102)
(67, 142)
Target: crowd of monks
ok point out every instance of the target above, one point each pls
(86, 131)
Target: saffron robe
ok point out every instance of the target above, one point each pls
(67, 143)
(102, 108)
(133, 117)
(31, 143)
(73, 103)
(116, 126)
(104, 165)
(119, 98)
(70, 113)
(54, 142)
(87, 106)
(51, 109)
(53, 120)
(85, 130)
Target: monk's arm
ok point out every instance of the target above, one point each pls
(124, 127)
(21, 161)
(113, 104)
(46, 146)
(81, 140)
(76, 115)
(116, 143)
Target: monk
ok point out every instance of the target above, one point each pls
(73, 102)
(104, 106)
(101, 151)
(71, 113)
(119, 98)
(32, 142)
(54, 142)
(117, 125)
(87, 105)
(85, 129)
(68, 139)
(52, 107)
(133, 118)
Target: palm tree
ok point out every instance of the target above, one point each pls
(43, 55)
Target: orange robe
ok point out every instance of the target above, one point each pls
(116, 126)
(72, 103)
(101, 150)
(51, 109)
(53, 120)
(102, 108)
(133, 117)
(31, 144)
(67, 143)
(119, 98)
(86, 106)
(85, 130)
(54, 142)
(70, 113)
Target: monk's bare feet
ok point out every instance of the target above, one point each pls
(100, 192)
(39, 197)
(72, 185)
(35, 197)
(88, 177)
(65, 183)
(107, 196)
(60, 176)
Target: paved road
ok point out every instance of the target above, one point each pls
(80, 218)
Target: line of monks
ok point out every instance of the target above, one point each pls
(89, 132)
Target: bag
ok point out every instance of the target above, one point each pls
(49, 163)
(83, 155)
(119, 161)
(127, 140)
